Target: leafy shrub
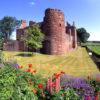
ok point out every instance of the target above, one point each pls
(18, 85)
(22, 89)
(1, 58)
(7, 79)
(95, 83)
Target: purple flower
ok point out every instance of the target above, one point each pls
(80, 85)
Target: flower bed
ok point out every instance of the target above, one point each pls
(16, 84)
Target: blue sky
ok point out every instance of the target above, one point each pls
(85, 13)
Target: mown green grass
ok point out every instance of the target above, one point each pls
(94, 48)
(76, 63)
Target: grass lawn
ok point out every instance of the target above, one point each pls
(95, 48)
(76, 63)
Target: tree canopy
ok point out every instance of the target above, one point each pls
(7, 25)
(83, 35)
(34, 37)
(1, 41)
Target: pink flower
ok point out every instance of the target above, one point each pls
(96, 97)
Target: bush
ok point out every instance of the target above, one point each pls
(18, 85)
(7, 80)
(22, 89)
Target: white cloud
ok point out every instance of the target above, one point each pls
(94, 36)
(32, 3)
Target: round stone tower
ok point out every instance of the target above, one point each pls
(54, 29)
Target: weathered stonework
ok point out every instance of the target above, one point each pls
(59, 39)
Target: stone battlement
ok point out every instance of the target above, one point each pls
(49, 10)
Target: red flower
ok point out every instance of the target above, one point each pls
(40, 86)
(57, 75)
(20, 67)
(62, 72)
(30, 65)
(28, 70)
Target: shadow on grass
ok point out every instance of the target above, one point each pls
(25, 54)
(95, 58)
(98, 65)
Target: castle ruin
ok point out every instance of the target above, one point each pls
(59, 38)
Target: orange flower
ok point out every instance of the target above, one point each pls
(20, 67)
(40, 86)
(97, 79)
(57, 75)
(62, 72)
(30, 65)
(33, 90)
(28, 70)
(33, 71)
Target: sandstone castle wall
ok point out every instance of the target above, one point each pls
(59, 39)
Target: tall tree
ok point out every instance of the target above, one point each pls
(34, 37)
(83, 35)
(8, 25)
(1, 41)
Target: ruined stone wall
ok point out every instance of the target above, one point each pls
(19, 34)
(59, 39)
(23, 24)
(74, 40)
(11, 46)
(71, 31)
(54, 29)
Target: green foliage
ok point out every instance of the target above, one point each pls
(95, 84)
(7, 79)
(94, 48)
(8, 25)
(34, 37)
(83, 35)
(22, 90)
(70, 94)
(1, 41)
(18, 85)
(1, 57)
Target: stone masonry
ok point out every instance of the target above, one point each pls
(59, 38)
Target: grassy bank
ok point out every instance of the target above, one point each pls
(76, 63)
(95, 48)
